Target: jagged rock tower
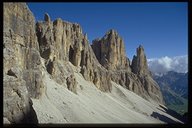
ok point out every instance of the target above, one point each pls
(136, 77)
(62, 42)
(110, 51)
(30, 49)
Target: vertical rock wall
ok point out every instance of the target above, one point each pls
(139, 66)
(22, 76)
(60, 43)
(110, 51)
(136, 77)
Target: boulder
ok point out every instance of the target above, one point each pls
(71, 83)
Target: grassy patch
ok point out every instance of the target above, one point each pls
(181, 109)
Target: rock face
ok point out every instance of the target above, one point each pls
(22, 76)
(139, 63)
(136, 77)
(61, 42)
(30, 50)
(110, 51)
(139, 67)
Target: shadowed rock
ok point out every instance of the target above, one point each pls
(163, 118)
(174, 114)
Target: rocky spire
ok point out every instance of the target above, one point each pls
(47, 17)
(110, 51)
(62, 44)
(139, 62)
(140, 68)
(66, 42)
(111, 33)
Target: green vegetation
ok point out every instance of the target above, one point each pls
(181, 109)
(174, 87)
(175, 101)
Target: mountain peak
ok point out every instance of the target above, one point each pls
(110, 50)
(139, 62)
(140, 48)
(47, 17)
(111, 33)
(58, 53)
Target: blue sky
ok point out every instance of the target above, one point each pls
(162, 28)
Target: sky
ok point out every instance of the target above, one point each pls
(161, 27)
(162, 65)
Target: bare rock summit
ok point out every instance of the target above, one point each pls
(139, 62)
(59, 49)
(110, 52)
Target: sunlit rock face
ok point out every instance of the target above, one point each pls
(139, 66)
(139, 63)
(61, 42)
(22, 69)
(110, 52)
(55, 47)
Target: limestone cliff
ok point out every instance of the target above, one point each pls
(22, 69)
(136, 77)
(32, 49)
(139, 66)
(110, 51)
(139, 62)
(62, 42)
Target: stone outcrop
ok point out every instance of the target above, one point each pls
(71, 83)
(61, 42)
(22, 76)
(30, 50)
(17, 106)
(110, 51)
(136, 77)
(139, 66)
(52, 49)
(139, 62)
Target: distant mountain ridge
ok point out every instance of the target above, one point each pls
(174, 87)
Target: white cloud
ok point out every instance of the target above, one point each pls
(165, 64)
